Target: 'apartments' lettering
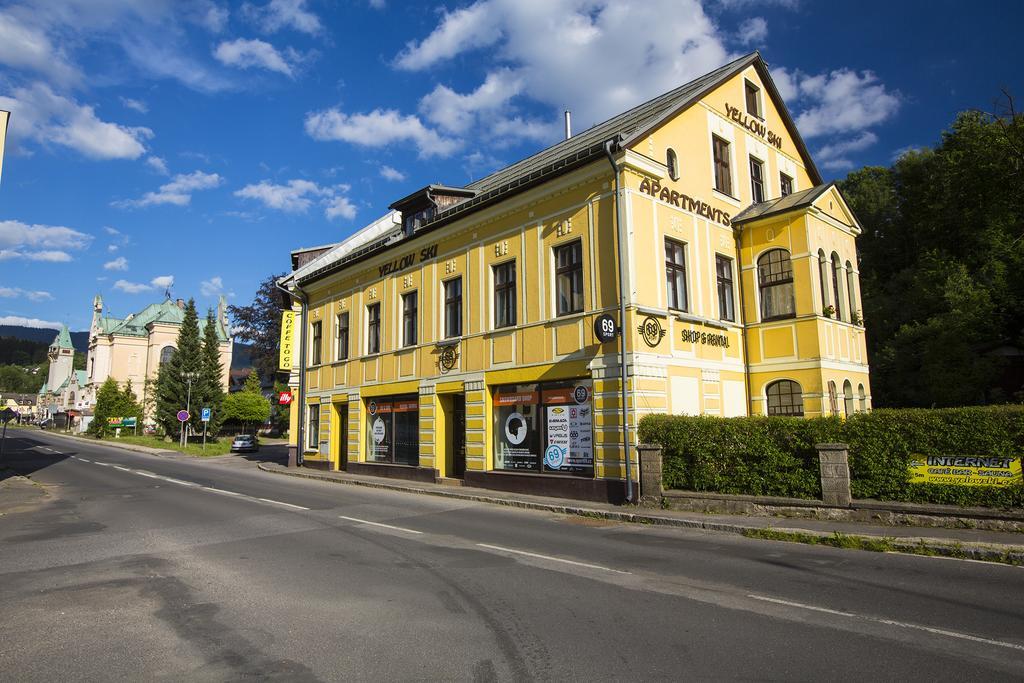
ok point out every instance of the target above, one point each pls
(697, 206)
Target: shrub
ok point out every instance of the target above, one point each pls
(776, 456)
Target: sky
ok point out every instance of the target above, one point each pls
(187, 146)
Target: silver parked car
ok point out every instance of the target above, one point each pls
(245, 443)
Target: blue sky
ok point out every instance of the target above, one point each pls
(192, 144)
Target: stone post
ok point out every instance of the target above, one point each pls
(651, 492)
(835, 473)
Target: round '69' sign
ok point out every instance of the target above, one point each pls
(605, 328)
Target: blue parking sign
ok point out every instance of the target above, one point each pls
(206, 415)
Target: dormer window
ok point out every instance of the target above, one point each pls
(413, 222)
(422, 206)
(753, 97)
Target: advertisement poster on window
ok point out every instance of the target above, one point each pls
(517, 430)
(569, 445)
(380, 431)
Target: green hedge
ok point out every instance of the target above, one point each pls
(775, 456)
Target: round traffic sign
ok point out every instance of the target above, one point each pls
(182, 416)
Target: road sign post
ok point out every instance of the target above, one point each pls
(206, 421)
(183, 419)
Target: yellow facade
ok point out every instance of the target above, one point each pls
(682, 358)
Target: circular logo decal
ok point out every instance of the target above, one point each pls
(379, 430)
(448, 358)
(554, 457)
(580, 394)
(651, 331)
(515, 429)
(372, 407)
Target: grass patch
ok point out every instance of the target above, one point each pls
(219, 447)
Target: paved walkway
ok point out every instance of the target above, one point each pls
(939, 539)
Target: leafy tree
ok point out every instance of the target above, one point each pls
(172, 386)
(112, 401)
(942, 266)
(248, 406)
(259, 324)
(210, 389)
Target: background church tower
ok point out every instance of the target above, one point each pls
(62, 359)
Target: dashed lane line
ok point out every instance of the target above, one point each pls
(891, 622)
(551, 558)
(380, 524)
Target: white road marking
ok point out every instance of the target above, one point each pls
(386, 526)
(891, 622)
(179, 481)
(956, 559)
(553, 559)
(84, 460)
(229, 493)
(105, 464)
(280, 502)
(123, 469)
(147, 474)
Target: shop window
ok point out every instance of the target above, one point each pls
(569, 278)
(544, 428)
(848, 404)
(453, 308)
(342, 336)
(756, 180)
(836, 291)
(775, 283)
(723, 173)
(862, 398)
(316, 338)
(505, 294)
(675, 274)
(409, 314)
(752, 95)
(823, 279)
(393, 430)
(672, 162)
(373, 328)
(313, 433)
(851, 289)
(723, 270)
(785, 398)
(166, 354)
(785, 184)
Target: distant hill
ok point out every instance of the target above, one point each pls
(241, 354)
(45, 335)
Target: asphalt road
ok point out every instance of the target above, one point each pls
(140, 567)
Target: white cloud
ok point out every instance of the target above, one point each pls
(209, 15)
(280, 14)
(111, 231)
(392, 174)
(177, 192)
(40, 242)
(379, 128)
(298, 195)
(753, 30)
(212, 287)
(18, 293)
(112, 248)
(840, 101)
(159, 282)
(476, 26)
(120, 263)
(457, 113)
(25, 46)
(39, 114)
(137, 105)
(244, 54)
(158, 165)
(162, 281)
(833, 156)
(29, 322)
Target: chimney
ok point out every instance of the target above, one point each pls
(181, 303)
(568, 124)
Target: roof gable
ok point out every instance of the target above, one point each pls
(825, 198)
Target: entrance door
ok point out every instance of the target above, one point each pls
(342, 454)
(458, 436)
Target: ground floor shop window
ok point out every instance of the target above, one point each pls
(544, 428)
(392, 428)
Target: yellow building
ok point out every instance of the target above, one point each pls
(464, 334)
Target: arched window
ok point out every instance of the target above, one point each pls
(672, 161)
(851, 290)
(848, 405)
(838, 297)
(823, 279)
(775, 281)
(165, 354)
(833, 398)
(785, 398)
(863, 398)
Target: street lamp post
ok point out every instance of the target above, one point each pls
(188, 377)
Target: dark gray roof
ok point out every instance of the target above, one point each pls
(797, 200)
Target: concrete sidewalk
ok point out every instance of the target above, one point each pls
(955, 542)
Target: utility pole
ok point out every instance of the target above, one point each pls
(188, 376)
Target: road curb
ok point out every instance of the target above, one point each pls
(916, 545)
